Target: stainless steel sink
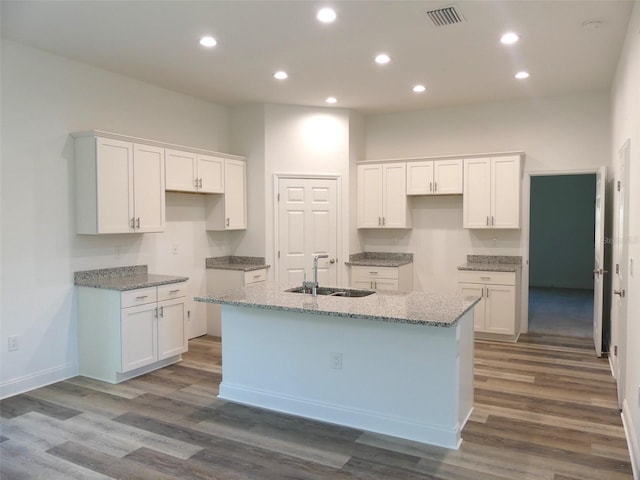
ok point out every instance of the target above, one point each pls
(333, 291)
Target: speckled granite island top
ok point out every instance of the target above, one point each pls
(492, 263)
(233, 262)
(434, 309)
(123, 278)
(379, 259)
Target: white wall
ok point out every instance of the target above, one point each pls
(44, 98)
(247, 138)
(306, 140)
(626, 125)
(556, 133)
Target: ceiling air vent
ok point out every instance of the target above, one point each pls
(445, 16)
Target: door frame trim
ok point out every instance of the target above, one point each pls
(339, 218)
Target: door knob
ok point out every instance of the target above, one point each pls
(332, 260)
(619, 292)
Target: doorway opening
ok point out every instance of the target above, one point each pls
(561, 254)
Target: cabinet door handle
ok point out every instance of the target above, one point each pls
(379, 221)
(487, 220)
(161, 312)
(155, 314)
(435, 187)
(138, 223)
(492, 221)
(487, 291)
(133, 223)
(227, 221)
(431, 186)
(200, 183)
(384, 221)
(196, 183)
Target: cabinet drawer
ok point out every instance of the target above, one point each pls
(375, 272)
(140, 296)
(255, 276)
(492, 278)
(172, 290)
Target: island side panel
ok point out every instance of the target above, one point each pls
(394, 378)
(466, 352)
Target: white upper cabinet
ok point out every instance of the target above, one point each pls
(229, 211)
(491, 197)
(382, 196)
(119, 186)
(437, 177)
(193, 172)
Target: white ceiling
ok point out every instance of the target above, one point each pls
(157, 41)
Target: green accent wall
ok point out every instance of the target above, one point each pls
(562, 230)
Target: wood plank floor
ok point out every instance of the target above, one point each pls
(545, 408)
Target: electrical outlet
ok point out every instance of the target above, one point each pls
(336, 360)
(14, 343)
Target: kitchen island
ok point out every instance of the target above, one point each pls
(396, 363)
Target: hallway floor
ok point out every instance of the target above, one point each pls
(561, 311)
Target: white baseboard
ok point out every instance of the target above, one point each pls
(37, 380)
(337, 414)
(632, 440)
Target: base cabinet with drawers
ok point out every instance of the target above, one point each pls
(125, 334)
(496, 315)
(382, 278)
(222, 279)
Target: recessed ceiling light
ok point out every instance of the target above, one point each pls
(326, 15)
(522, 75)
(331, 100)
(281, 75)
(419, 88)
(383, 58)
(208, 41)
(509, 38)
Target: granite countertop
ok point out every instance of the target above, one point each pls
(418, 308)
(380, 259)
(492, 263)
(123, 278)
(232, 262)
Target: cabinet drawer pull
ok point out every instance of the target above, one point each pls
(256, 276)
(373, 273)
(485, 278)
(173, 292)
(141, 297)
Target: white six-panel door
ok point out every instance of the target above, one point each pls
(307, 226)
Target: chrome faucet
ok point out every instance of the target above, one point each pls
(314, 284)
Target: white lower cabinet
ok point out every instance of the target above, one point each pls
(497, 312)
(382, 278)
(221, 279)
(125, 334)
